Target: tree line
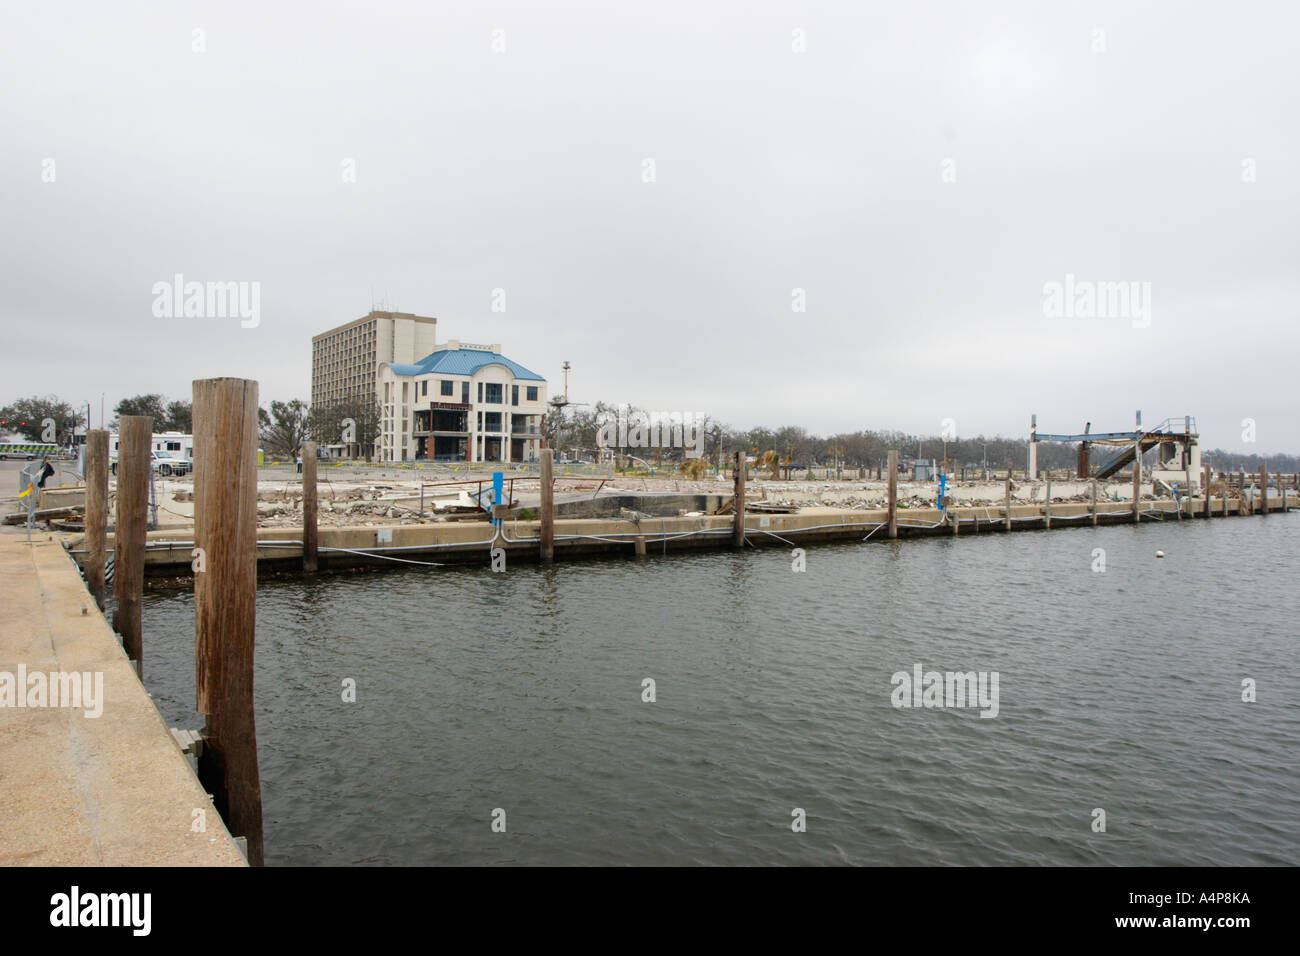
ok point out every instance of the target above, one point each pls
(575, 430)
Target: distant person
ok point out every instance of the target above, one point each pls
(46, 470)
(300, 464)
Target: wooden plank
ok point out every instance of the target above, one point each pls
(225, 600)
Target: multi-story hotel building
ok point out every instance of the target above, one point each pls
(345, 360)
(462, 402)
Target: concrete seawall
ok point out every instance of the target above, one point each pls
(111, 790)
(468, 542)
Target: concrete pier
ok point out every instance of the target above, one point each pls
(468, 542)
(111, 790)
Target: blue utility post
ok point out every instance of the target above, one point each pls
(498, 483)
(943, 483)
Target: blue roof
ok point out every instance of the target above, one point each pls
(463, 362)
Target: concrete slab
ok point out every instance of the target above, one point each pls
(111, 790)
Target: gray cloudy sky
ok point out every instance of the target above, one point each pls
(1114, 156)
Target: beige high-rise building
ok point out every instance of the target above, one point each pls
(345, 360)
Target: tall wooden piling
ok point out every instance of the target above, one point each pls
(1263, 490)
(738, 517)
(1207, 490)
(1047, 505)
(892, 529)
(134, 459)
(96, 511)
(225, 600)
(546, 527)
(1007, 509)
(1137, 482)
(1094, 502)
(310, 522)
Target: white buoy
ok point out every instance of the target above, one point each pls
(1160, 554)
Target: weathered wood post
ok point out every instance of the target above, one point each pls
(639, 545)
(96, 511)
(1094, 502)
(225, 600)
(134, 460)
(310, 522)
(1007, 509)
(1207, 491)
(1263, 490)
(1047, 505)
(1137, 481)
(546, 526)
(1225, 493)
(892, 530)
(738, 518)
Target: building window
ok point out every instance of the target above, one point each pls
(448, 386)
(464, 393)
(532, 393)
(480, 392)
(493, 394)
(426, 388)
(514, 394)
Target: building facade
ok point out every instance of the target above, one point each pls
(461, 402)
(345, 360)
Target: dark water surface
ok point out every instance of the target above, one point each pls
(522, 691)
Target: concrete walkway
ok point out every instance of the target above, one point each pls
(112, 790)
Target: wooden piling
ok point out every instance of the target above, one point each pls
(1007, 519)
(1047, 505)
(892, 529)
(738, 500)
(1137, 482)
(1263, 490)
(546, 526)
(310, 521)
(1094, 502)
(1207, 491)
(134, 461)
(640, 545)
(225, 600)
(96, 511)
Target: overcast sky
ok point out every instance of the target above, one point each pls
(921, 171)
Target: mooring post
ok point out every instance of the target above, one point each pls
(1263, 490)
(1047, 505)
(310, 522)
(1207, 491)
(640, 545)
(1137, 481)
(1007, 509)
(1225, 493)
(1094, 502)
(546, 526)
(738, 518)
(134, 459)
(96, 511)
(225, 600)
(892, 464)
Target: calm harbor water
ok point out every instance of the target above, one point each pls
(1118, 690)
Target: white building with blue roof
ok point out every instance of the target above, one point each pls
(462, 402)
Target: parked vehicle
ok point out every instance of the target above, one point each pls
(28, 450)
